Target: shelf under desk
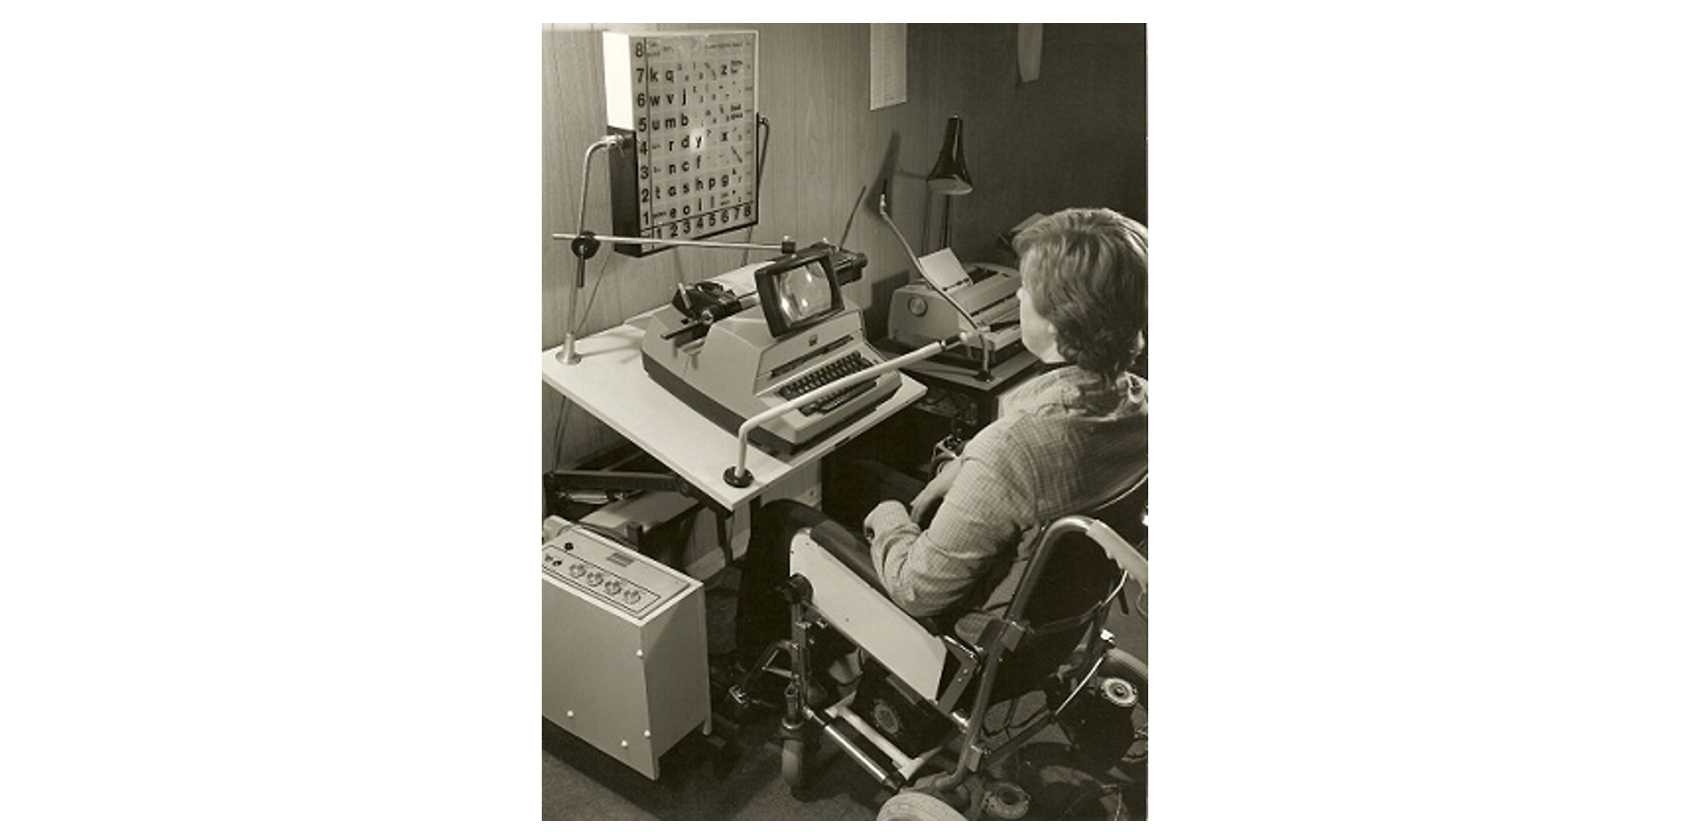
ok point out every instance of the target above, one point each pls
(610, 383)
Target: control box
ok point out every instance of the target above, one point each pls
(625, 650)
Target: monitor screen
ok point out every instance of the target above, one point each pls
(799, 291)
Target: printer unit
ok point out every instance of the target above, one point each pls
(919, 315)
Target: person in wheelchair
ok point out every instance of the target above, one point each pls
(1070, 438)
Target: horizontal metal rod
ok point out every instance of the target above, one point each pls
(888, 777)
(787, 246)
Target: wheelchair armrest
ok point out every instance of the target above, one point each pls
(847, 601)
(851, 551)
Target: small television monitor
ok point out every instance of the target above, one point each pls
(799, 291)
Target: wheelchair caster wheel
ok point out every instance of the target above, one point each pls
(917, 806)
(792, 754)
(1005, 801)
(1124, 679)
(1119, 692)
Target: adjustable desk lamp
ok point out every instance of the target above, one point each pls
(950, 176)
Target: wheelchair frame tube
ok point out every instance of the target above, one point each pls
(1100, 533)
(888, 778)
(1118, 549)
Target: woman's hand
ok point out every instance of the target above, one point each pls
(928, 500)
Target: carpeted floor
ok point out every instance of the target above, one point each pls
(704, 779)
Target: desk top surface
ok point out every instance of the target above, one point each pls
(610, 383)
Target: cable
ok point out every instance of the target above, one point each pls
(1103, 792)
(1022, 725)
(596, 284)
(561, 415)
(762, 131)
(561, 421)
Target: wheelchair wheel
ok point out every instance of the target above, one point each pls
(917, 806)
(1106, 726)
(1123, 683)
(1122, 667)
(792, 759)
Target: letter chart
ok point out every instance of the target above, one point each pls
(690, 109)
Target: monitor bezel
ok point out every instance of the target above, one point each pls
(767, 280)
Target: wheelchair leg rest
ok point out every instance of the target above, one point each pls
(861, 740)
(847, 742)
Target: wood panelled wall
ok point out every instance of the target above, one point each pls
(1074, 137)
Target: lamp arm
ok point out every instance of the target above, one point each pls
(980, 330)
(740, 477)
(908, 252)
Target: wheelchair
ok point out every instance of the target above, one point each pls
(909, 700)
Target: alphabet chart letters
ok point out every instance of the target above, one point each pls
(687, 100)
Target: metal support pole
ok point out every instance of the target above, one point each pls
(567, 355)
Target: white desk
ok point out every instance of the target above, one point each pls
(609, 382)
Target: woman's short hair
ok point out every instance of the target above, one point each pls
(1085, 269)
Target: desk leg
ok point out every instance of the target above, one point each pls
(724, 535)
(724, 529)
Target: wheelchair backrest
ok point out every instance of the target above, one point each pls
(1076, 574)
(1067, 581)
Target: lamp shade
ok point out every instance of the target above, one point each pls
(950, 175)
